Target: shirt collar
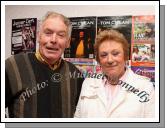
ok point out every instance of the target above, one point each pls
(41, 59)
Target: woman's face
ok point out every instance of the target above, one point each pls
(111, 59)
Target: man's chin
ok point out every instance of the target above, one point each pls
(53, 58)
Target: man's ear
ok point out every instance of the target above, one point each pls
(68, 43)
(38, 36)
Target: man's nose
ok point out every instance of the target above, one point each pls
(54, 38)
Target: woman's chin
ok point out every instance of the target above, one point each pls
(113, 79)
(110, 74)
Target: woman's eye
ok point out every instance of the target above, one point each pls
(103, 55)
(115, 53)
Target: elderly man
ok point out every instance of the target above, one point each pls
(38, 85)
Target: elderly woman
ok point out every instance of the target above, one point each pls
(120, 93)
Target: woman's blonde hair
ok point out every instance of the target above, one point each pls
(111, 35)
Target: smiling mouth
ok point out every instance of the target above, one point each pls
(52, 49)
(111, 66)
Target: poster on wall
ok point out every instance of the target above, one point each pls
(143, 29)
(143, 41)
(82, 38)
(23, 38)
(80, 61)
(143, 54)
(85, 69)
(121, 23)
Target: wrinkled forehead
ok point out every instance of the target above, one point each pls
(53, 15)
(54, 23)
(53, 19)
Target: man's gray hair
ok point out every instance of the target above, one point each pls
(66, 21)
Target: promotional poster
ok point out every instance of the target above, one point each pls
(143, 29)
(143, 41)
(80, 61)
(143, 55)
(23, 35)
(82, 38)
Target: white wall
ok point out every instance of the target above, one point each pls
(37, 11)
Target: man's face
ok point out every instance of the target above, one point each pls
(53, 39)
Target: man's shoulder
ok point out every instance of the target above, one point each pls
(22, 54)
(19, 58)
(71, 66)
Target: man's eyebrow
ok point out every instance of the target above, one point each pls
(62, 31)
(47, 29)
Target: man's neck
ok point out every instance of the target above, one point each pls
(53, 65)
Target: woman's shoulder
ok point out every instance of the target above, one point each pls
(141, 78)
(141, 82)
(134, 76)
